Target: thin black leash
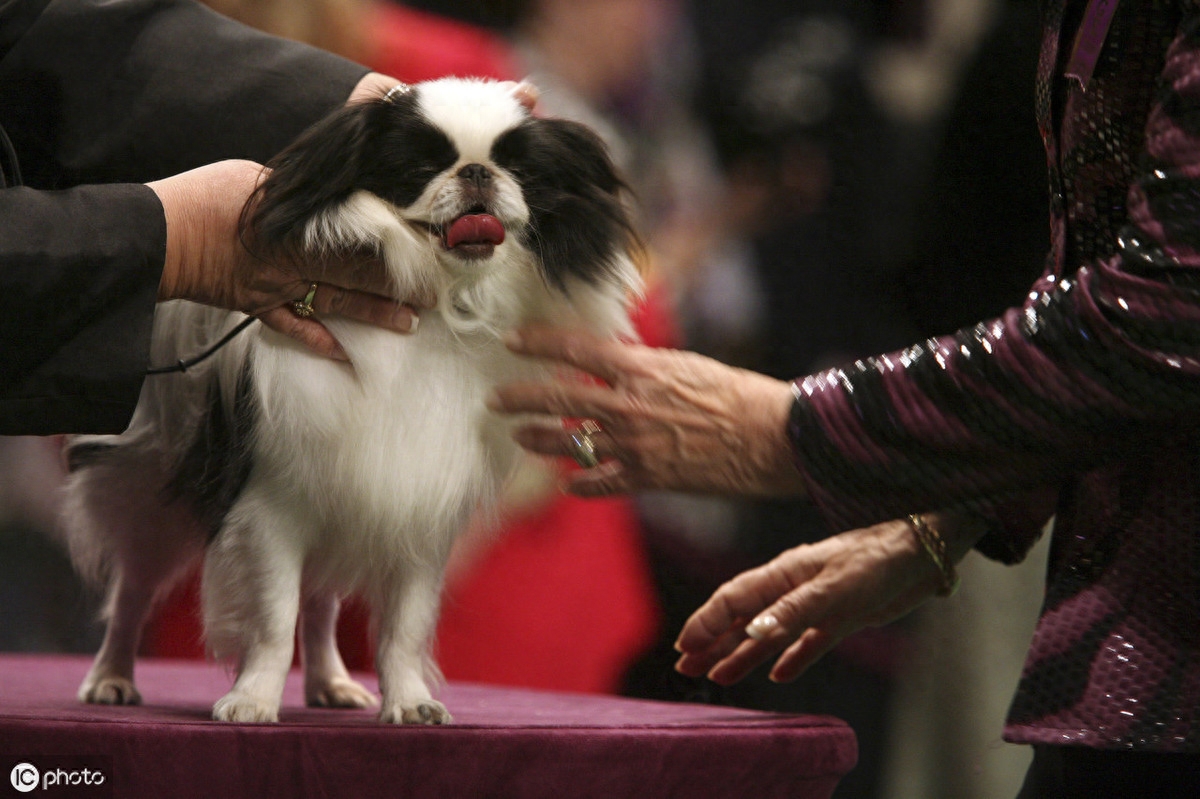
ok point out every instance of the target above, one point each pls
(10, 177)
(183, 365)
(10, 153)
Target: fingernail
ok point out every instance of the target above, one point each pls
(404, 319)
(778, 676)
(762, 627)
(513, 340)
(492, 401)
(714, 674)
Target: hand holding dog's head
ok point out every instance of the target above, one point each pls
(208, 264)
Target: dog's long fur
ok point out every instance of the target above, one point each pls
(298, 478)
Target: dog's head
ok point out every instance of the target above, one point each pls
(452, 177)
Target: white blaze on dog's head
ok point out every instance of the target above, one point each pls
(472, 113)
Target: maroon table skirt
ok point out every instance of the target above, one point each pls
(503, 743)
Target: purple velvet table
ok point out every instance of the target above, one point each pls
(503, 742)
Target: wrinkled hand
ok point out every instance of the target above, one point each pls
(670, 419)
(809, 598)
(208, 263)
(804, 602)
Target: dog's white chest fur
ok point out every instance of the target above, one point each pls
(390, 455)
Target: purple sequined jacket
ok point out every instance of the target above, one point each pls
(1090, 391)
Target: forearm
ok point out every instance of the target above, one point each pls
(79, 272)
(120, 94)
(139, 90)
(1101, 357)
(1006, 408)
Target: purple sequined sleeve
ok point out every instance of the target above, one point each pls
(1099, 353)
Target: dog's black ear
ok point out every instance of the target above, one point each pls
(385, 147)
(580, 223)
(313, 174)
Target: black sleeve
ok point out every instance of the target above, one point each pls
(79, 273)
(99, 96)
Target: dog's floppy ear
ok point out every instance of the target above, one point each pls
(384, 147)
(580, 225)
(313, 174)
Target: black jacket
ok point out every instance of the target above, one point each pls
(98, 98)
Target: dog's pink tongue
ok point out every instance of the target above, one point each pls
(475, 229)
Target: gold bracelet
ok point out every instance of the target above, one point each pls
(933, 544)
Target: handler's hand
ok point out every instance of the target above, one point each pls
(669, 419)
(816, 595)
(208, 263)
(809, 598)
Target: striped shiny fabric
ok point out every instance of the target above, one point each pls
(1090, 393)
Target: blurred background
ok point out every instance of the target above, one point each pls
(818, 181)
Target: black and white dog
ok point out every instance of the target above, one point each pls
(299, 478)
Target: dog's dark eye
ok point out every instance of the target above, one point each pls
(511, 150)
(403, 155)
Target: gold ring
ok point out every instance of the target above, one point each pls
(304, 308)
(585, 446)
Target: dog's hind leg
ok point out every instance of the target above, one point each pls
(122, 533)
(406, 623)
(110, 679)
(327, 683)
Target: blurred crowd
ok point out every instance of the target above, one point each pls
(809, 179)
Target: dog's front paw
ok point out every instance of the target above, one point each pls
(244, 709)
(109, 691)
(339, 692)
(426, 711)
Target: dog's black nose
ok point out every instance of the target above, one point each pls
(478, 174)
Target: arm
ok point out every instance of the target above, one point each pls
(79, 273)
(138, 90)
(977, 420)
(117, 94)
(1103, 356)
(991, 419)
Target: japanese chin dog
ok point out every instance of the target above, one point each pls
(299, 479)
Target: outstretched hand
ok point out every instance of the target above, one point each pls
(668, 419)
(805, 601)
